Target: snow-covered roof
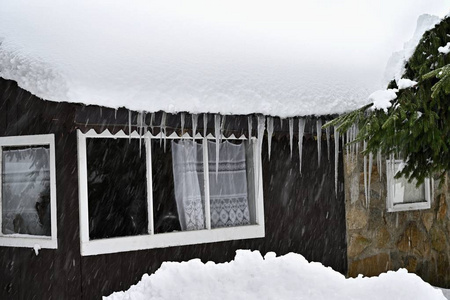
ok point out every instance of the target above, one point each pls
(282, 58)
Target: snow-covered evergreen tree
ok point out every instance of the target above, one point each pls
(416, 125)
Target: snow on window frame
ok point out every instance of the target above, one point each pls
(391, 170)
(151, 240)
(27, 240)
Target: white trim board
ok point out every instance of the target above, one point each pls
(25, 240)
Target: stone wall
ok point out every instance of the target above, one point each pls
(379, 240)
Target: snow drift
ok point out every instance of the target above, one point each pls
(251, 276)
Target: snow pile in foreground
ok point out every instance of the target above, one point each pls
(251, 276)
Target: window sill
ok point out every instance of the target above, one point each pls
(28, 241)
(161, 240)
(409, 206)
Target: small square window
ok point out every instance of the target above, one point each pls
(403, 195)
(28, 195)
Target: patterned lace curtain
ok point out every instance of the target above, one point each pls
(228, 185)
(187, 157)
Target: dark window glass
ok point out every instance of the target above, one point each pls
(117, 193)
(26, 190)
(164, 204)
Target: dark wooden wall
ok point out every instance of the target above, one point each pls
(302, 213)
(53, 274)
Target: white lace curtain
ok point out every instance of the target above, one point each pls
(187, 159)
(227, 183)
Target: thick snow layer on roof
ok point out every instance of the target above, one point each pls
(251, 276)
(280, 58)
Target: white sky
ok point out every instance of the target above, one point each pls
(209, 55)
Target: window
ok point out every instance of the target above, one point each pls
(155, 191)
(403, 195)
(28, 191)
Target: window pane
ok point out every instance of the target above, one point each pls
(407, 192)
(404, 191)
(117, 193)
(231, 184)
(165, 213)
(178, 186)
(26, 190)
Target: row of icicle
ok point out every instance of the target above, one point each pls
(267, 124)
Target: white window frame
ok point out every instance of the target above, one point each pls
(161, 240)
(27, 240)
(391, 170)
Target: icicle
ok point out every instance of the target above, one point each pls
(357, 144)
(217, 136)
(250, 126)
(370, 177)
(319, 139)
(343, 141)
(336, 159)
(393, 172)
(281, 124)
(379, 163)
(182, 119)
(261, 123)
(222, 126)
(347, 147)
(194, 125)
(353, 146)
(140, 126)
(144, 123)
(301, 131)
(101, 112)
(129, 126)
(261, 128)
(327, 133)
(269, 133)
(205, 125)
(115, 113)
(365, 173)
(350, 140)
(152, 117)
(291, 133)
(432, 189)
(163, 130)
